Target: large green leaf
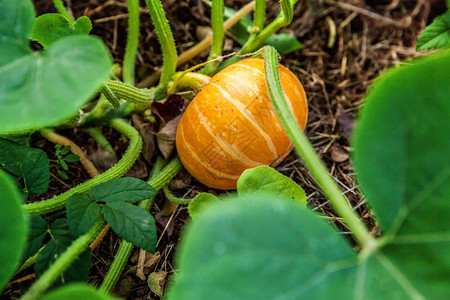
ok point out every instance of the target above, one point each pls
(82, 213)
(60, 240)
(37, 233)
(77, 291)
(266, 179)
(49, 28)
(134, 224)
(121, 190)
(46, 87)
(29, 163)
(13, 228)
(199, 202)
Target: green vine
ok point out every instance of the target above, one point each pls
(129, 59)
(217, 38)
(59, 5)
(127, 161)
(130, 93)
(158, 179)
(168, 48)
(307, 153)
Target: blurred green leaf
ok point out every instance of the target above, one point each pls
(134, 224)
(49, 28)
(199, 202)
(267, 180)
(13, 228)
(71, 158)
(31, 164)
(122, 189)
(436, 35)
(77, 291)
(37, 233)
(46, 87)
(64, 150)
(82, 213)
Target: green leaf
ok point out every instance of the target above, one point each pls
(401, 154)
(63, 165)
(28, 163)
(82, 213)
(13, 228)
(200, 202)
(284, 43)
(134, 224)
(38, 230)
(260, 247)
(266, 179)
(49, 28)
(63, 175)
(122, 189)
(46, 87)
(71, 158)
(64, 150)
(60, 241)
(436, 35)
(77, 291)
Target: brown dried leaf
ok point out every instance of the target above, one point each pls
(156, 282)
(166, 136)
(102, 159)
(138, 170)
(338, 154)
(346, 122)
(147, 131)
(169, 108)
(180, 181)
(164, 222)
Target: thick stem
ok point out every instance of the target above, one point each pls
(130, 93)
(168, 48)
(59, 5)
(218, 36)
(97, 135)
(307, 153)
(172, 198)
(127, 161)
(110, 96)
(158, 179)
(129, 59)
(61, 264)
(191, 80)
(258, 20)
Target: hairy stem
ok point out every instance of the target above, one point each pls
(172, 198)
(218, 34)
(61, 264)
(97, 135)
(59, 5)
(129, 93)
(168, 48)
(307, 153)
(127, 161)
(129, 59)
(158, 179)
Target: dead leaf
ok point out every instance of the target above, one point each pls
(156, 282)
(138, 170)
(166, 136)
(147, 131)
(102, 159)
(180, 181)
(346, 122)
(164, 222)
(169, 108)
(338, 154)
(168, 208)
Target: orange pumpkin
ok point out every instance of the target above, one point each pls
(231, 126)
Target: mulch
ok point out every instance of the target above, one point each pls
(346, 45)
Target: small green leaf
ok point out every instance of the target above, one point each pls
(200, 202)
(77, 291)
(63, 165)
(46, 87)
(65, 150)
(284, 43)
(49, 28)
(436, 35)
(266, 179)
(82, 213)
(13, 228)
(60, 241)
(71, 158)
(63, 175)
(122, 189)
(29, 163)
(132, 223)
(38, 230)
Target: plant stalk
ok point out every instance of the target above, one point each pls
(130, 93)
(158, 179)
(167, 43)
(307, 153)
(59, 5)
(61, 264)
(127, 161)
(218, 34)
(129, 59)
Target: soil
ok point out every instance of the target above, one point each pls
(336, 72)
